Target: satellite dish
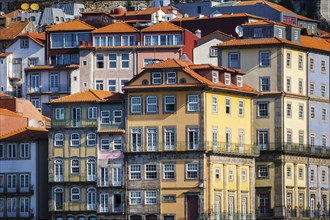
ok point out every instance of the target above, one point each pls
(239, 30)
(35, 7)
(25, 6)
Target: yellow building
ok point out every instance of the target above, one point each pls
(189, 151)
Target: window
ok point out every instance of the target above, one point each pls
(156, 78)
(193, 102)
(234, 60)
(264, 58)
(263, 139)
(264, 84)
(99, 85)
(150, 197)
(91, 199)
(288, 60)
(24, 182)
(36, 102)
(91, 170)
(170, 77)
(300, 86)
(112, 61)
(125, 61)
(262, 109)
(58, 170)
(54, 81)
(75, 140)
(214, 104)
(257, 33)
(301, 173)
(217, 173)
(323, 68)
(117, 144)
(113, 41)
(262, 171)
(11, 150)
(280, 33)
(136, 105)
(99, 61)
(288, 110)
(169, 198)
(152, 104)
(215, 77)
(288, 84)
(24, 206)
(301, 200)
(324, 140)
(75, 166)
(128, 40)
(289, 138)
(117, 176)
(11, 182)
(289, 172)
(25, 43)
(105, 144)
(192, 170)
(227, 105)
(104, 176)
(311, 89)
(112, 85)
(311, 64)
(2, 151)
(11, 206)
(151, 171)
(92, 113)
(169, 103)
(324, 114)
(59, 113)
(75, 194)
(135, 198)
(147, 61)
(104, 202)
(168, 171)
(239, 81)
(59, 198)
(152, 139)
(117, 116)
(244, 175)
(24, 150)
(312, 140)
(91, 139)
(123, 82)
(230, 174)
(300, 62)
(213, 51)
(136, 139)
(323, 91)
(241, 107)
(301, 111)
(215, 138)
(312, 177)
(193, 138)
(227, 79)
(135, 172)
(323, 176)
(105, 117)
(169, 138)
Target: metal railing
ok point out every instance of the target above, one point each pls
(47, 88)
(295, 148)
(219, 148)
(72, 124)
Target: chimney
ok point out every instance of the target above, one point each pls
(198, 33)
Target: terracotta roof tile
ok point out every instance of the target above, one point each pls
(162, 26)
(13, 29)
(90, 95)
(306, 19)
(3, 55)
(6, 112)
(76, 25)
(269, 22)
(277, 7)
(118, 27)
(36, 37)
(223, 16)
(48, 67)
(25, 133)
(4, 95)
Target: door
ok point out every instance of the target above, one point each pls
(231, 207)
(263, 140)
(35, 82)
(312, 205)
(192, 207)
(76, 117)
(244, 208)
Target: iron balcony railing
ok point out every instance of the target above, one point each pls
(295, 148)
(219, 147)
(74, 124)
(47, 88)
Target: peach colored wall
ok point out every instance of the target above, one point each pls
(164, 54)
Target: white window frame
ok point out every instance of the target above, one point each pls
(244, 175)
(117, 144)
(264, 84)
(169, 138)
(193, 103)
(214, 104)
(152, 104)
(151, 171)
(228, 106)
(11, 150)
(75, 194)
(24, 182)
(91, 139)
(104, 202)
(263, 172)
(91, 169)
(215, 77)
(117, 116)
(169, 100)
(171, 78)
(24, 150)
(75, 140)
(136, 108)
(125, 61)
(150, 197)
(156, 78)
(239, 81)
(136, 139)
(104, 176)
(193, 138)
(135, 172)
(105, 117)
(168, 171)
(192, 170)
(75, 168)
(112, 85)
(105, 144)
(152, 138)
(117, 176)
(227, 79)
(99, 58)
(58, 170)
(92, 113)
(241, 107)
(230, 174)
(59, 113)
(264, 58)
(112, 61)
(135, 197)
(91, 198)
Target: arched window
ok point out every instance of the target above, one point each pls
(75, 194)
(91, 198)
(91, 170)
(58, 199)
(92, 218)
(59, 218)
(75, 139)
(58, 139)
(145, 82)
(91, 139)
(58, 170)
(70, 218)
(75, 166)
(135, 217)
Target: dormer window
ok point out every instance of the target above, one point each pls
(295, 34)
(239, 81)
(227, 79)
(170, 77)
(257, 33)
(24, 43)
(280, 33)
(156, 78)
(215, 78)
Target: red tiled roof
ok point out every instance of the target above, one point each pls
(3, 55)
(6, 112)
(36, 37)
(30, 133)
(118, 27)
(223, 16)
(306, 19)
(76, 25)
(90, 95)
(269, 22)
(13, 29)
(277, 7)
(162, 26)
(48, 67)
(4, 95)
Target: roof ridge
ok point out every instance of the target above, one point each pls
(92, 91)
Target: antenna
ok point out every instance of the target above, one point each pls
(239, 30)
(35, 7)
(25, 6)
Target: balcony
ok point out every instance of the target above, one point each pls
(82, 177)
(295, 148)
(15, 76)
(47, 88)
(73, 124)
(91, 207)
(18, 190)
